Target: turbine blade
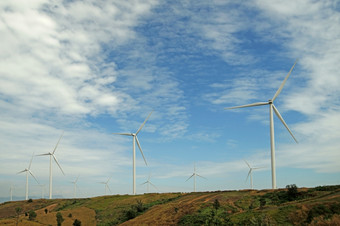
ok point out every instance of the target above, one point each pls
(283, 122)
(44, 154)
(141, 150)
(108, 180)
(33, 176)
(58, 143)
(201, 176)
(145, 182)
(76, 179)
(143, 123)
(248, 175)
(55, 159)
(190, 177)
(247, 163)
(29, 166)
(109, 188)
(284, 82)
(22, 171)
(255, 168)
(248, 105)
(124, 134)
(154, 186)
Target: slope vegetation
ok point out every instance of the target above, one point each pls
(290, 206)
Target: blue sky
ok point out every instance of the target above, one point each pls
(93, 68)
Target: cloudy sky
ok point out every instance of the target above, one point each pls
(92, 68)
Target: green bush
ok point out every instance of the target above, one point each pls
(292, 192)
(318, 210)
(60, 219)
(32, 215)
(77, 222)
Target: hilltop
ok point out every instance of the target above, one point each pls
(290, 206)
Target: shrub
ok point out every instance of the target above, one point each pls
(60, 219)
(77, 222)
(262, 202)
(70, 215)
(292, 192)
(318, 211)
(32, 215)
(46, 211)
(30, 200)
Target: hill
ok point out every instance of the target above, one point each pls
(290, 206)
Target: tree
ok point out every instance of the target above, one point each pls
(77, 222)
(18, 211)
(46, 211)
(32, 215)
(292, 192)
(60, 219)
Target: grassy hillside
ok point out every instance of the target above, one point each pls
(291, 206)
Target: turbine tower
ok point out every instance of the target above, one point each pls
(106, 185)
(75, 187)
(271, 109)
(51, 154)
(42, 190)
(194, 175)
(148, 182)
(134, 141)
(28, 171)
(11, 192)
(250, 173)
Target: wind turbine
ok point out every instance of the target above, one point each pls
(106, 185)
(148, 182)
(134, 140)
(271, 108)
(51, 154)
(250, 173)
(194, 175)
(75, 187)
(42, 190)
(28, 171)
(11, 192)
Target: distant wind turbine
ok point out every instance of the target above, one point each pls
(271, 108)
(75, 187)
(250, 173)
(134, 140)
(28, 171)
(42, 190)
(194, 175)
(148, 182)
(51, 154)
(11, 192)
(106, 185)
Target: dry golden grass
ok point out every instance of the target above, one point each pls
(85, 215)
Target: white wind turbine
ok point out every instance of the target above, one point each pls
(194, 175)
(51, 154)
(11, 192)
(28, 171)
(134, 141)
(271, 108)
(75, 187)
(250, 173)
(148, 182)
(106, 185)
(42, 186)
